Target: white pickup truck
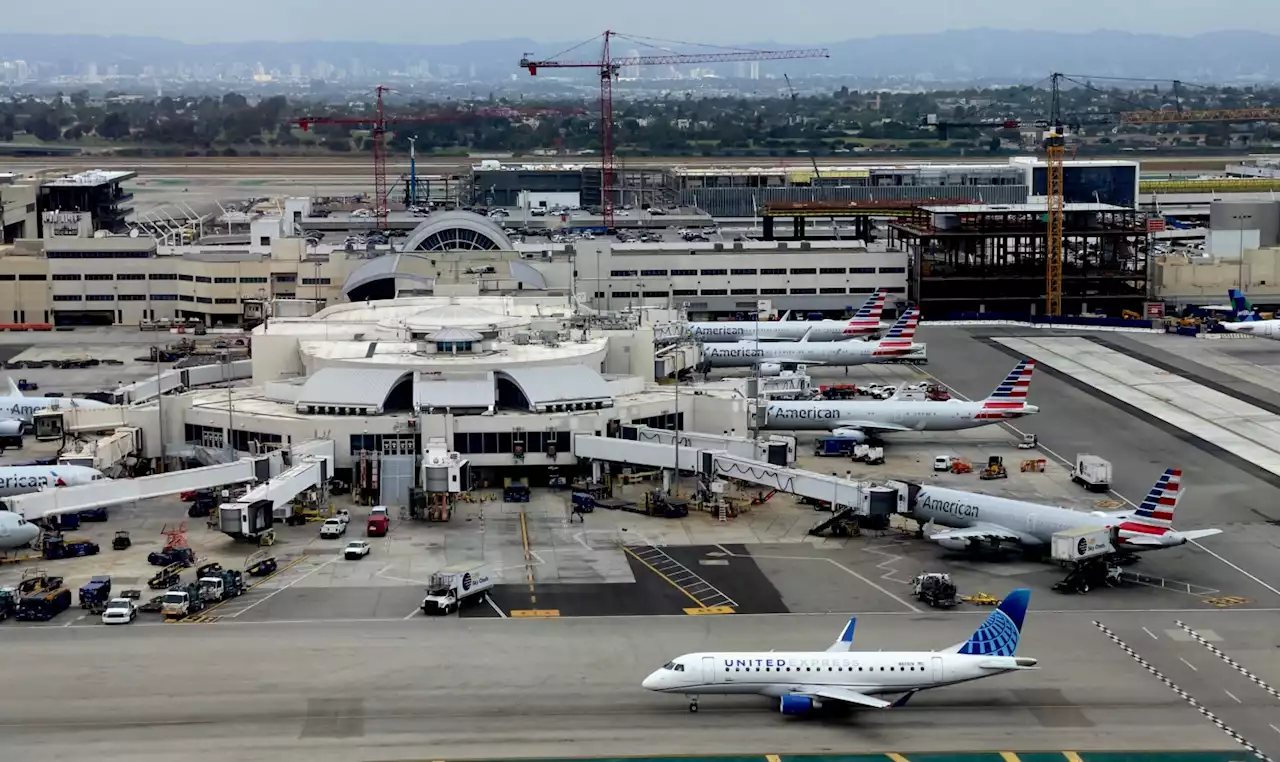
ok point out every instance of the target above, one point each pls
(332, 528)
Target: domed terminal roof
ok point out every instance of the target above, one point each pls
(454, 334)
(459, 316)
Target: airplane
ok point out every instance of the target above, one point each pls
(807, 681)
(865, 322)
(15, 531)
(771, 358)
(22, 480)
(976, 520)
(17, 410)
(1247, 321)
(860, 420)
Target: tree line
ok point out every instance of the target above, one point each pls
(843, 121)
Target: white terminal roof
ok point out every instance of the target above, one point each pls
(565, 385)
(408, 354)
(89, 179)
(350, 387)
(456, 392)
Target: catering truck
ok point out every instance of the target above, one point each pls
(455, 586)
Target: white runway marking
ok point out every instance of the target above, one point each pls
(1189, 664)
(1149, 632)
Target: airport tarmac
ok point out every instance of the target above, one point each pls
(467, 688)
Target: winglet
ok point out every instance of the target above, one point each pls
(845, 641)
(14, 391)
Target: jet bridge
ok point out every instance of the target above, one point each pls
(311, 473)
(777, 449)
(53, 502)
(841, 493)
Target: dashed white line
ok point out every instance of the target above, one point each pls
(1232, 695)
(1189, 664)
(1273, 727)
(1149, 632)
(494, 606)
(412, 614)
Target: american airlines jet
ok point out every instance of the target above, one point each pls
(776, 356)
(21, 480)
(978, 521)
(860, 420)
(17, 410)
(803, 682)
(865, 322)
(15, 531)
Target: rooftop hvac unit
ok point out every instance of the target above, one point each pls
(522, 339)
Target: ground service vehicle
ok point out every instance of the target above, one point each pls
(379, 523)
(221, 586)
(454, 586)
(8, 602)
(1093, 472)
(356, 549)
(121, 541)
(182, 601)
(332, 528)
(95, 592)
(120, 611)
(935, 589)
(44, 605)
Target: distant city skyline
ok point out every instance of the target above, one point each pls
(723, 22)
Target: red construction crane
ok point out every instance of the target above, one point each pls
(379, 123)
(609, 67)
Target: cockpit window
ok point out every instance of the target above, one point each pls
(673, 666)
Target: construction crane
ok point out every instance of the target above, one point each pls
(608, 69)
(1055, 144)
(379, 123)
(817, 174)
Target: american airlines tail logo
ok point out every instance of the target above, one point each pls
(1010, 397)
(867, 318)
(898, 340)
(1155, 514)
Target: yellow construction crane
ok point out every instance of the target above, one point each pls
(1055, 144)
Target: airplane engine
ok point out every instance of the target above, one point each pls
(792, 704)
(10, 428)
(770, 368)
(856, 435)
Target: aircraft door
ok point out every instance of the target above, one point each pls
(708, 670)
(937, 669)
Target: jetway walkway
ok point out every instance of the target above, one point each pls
(777, 449)
(719, 463)
(312, 460)
(53, 502)
(312, 472)
(184, 378)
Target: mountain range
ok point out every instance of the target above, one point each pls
(978, 55)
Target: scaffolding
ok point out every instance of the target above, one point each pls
(981, 260)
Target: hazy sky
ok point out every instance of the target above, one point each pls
(712, 21)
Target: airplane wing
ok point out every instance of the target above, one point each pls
(869, 426)
(787, 361)
(843, 695)
(979, 531)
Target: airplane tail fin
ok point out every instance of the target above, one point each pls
(867, 317)
(899, 338)
(1240, 304)
(998, 636)
(1015, 386)
(1156, 510)
(845, 641)
(14, 391)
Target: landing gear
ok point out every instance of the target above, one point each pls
(693, 704)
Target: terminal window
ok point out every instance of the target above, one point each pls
(892, 270)
(653, 273)
(655, 294)
(131, 276)
(773, 271)
(679, 273)
(99, 276)
(619, 274)
(224, 280)
(100, 298)
(743, 271)
(832, 270)
(742, 292)
(31, 277)
(714, 292)
(66, 276)
(802, 291)
(772, 291)
(66, 297)
(804, 271)
(715, 271)
(862, 271)
(163, 276)
(831, 290)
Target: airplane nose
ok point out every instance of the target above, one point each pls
(651, 682)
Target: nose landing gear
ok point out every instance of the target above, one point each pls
(693, 704)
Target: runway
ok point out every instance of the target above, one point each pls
(324, 166)
(507, 688)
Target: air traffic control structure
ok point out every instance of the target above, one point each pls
(982, 258)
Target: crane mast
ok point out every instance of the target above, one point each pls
(608, 68)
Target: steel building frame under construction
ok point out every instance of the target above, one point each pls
(971, 259)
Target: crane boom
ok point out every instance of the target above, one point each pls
(609, 67)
